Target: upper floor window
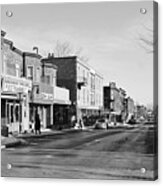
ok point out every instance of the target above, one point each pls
(30, 72)
(17, 70)
(54, 81)
(38, 74)
(47, 79)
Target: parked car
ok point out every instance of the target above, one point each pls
(101, 124)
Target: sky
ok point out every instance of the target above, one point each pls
(108, 32)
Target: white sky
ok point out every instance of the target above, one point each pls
(107, 32)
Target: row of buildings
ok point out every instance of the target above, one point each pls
(58, 87)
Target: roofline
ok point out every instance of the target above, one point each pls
(49, 65)
(12, 47)
(31, 54)
(66, 57)
(77, 61)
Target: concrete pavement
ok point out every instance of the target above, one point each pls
(97, 154)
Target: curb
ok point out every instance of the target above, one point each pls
(12, 144)
(49, 134)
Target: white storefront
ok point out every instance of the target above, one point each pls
(14, 103)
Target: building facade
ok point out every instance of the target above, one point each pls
(114, 102)
(130, 109)
(27, 84)
(61, 98)
(84, 83)
(43, 79)
(15, 89)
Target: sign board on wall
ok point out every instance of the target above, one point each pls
(15, 85)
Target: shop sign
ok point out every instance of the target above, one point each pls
(16, 85)
(44, 96)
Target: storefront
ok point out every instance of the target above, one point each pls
(14, 103)
(61, 114)
(42, 100)
(61, 108)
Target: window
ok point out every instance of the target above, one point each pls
(47, 79)
(17, 113)
(54, 81)
(17, 72)
(87, 97)
(30, 72)
(8, 113)
(12, 113)
(83, 96)
(38, 74)
(37, 90)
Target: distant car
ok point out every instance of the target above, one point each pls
(101, 124)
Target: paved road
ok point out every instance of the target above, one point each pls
(98, 154)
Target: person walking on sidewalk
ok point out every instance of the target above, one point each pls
(73, 120)
(37, 123)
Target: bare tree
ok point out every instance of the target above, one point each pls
(63, 49)
(148, 40)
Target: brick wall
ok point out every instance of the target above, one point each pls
(113, 99)
(49, 71)
(66, 74)
(31, 60)
(12, 59)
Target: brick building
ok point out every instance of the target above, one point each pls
(43, 78)
(52, 101)
(114, 102)
(14, 88)
(28, 83)
(84, 83)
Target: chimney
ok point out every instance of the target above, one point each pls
(36, 49)
(51, 55)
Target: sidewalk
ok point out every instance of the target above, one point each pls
(50, 132)
(11, 141)
(19, 139)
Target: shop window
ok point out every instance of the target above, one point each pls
(3, 108)
(17, 113)
(8, 114)
(12, 113)
(37, 90)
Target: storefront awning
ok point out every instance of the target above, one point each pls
(9, 96)
(62, 102)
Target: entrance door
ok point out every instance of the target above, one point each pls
(44, 117)
(13, 117)
(48, 117)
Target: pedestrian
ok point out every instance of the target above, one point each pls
(73, 120)
(37, 123)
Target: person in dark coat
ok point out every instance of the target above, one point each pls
(37, 123)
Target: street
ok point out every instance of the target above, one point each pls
(100, 154)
